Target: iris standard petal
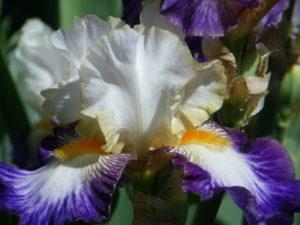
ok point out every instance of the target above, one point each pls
(33, 71)
(63, 99)
(259, 176)
(130, 80)
(203, 96)
(150, 16)
(77, 185)
(151, 78)
(205, 17)
(74, 43)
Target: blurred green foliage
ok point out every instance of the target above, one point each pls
(102, 8)
(289, 115)
(288, 118)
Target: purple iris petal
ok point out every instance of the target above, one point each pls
(259, 176)
(77, 185)
(247, 202)
(57, 195)
(131, 11)
(275, 14)
(205, 17)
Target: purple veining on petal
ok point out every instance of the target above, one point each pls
(200, 185)
(205, 17)
(274, 16)
(284, 196)
(131, 11)
(274, 195)
(238, 139)
(247, 202)
(60, 136)
(270, 160)
(46, 197)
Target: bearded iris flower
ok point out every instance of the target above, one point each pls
(128, 93)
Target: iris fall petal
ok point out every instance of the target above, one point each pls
(77, 183)
(259, 176)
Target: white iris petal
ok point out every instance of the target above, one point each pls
(135, 81)
(63, 99)
(35, 65)
(142, 85)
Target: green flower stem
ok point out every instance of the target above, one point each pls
(205, 212)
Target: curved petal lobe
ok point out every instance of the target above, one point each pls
(33, 71)
(63, 100)
(76, 187)
(258, 176)
(203, 95)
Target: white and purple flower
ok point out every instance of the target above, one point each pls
(217, 159)
(129, 93)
